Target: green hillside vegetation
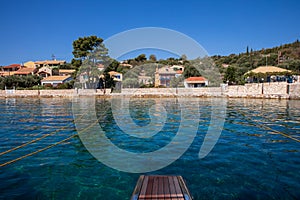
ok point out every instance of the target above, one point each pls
(285, 56)
(217, 69)
(90, 52)
(220, 69)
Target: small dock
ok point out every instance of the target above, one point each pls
(161, 188)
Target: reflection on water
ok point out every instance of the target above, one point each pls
(251, 160)
(128, 138)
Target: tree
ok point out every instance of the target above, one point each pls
(183, 57)
(88, 53)
(113, 66)
(152, 58)
(19, 82)
(82, 47)
(131, 83)
(66, 66)
(230, 75)
(141, 58)
(76, 63)
(177, 82)
(100, 55)
(190, 71)
(90, 48)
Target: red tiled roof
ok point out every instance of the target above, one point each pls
(15, 65)
(179, 72)
(56, 78)
(12, 66)
(196, 79)
(25, 71)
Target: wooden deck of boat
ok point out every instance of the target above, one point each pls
(161, 188)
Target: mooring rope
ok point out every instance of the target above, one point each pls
(30, 142)
(37, 139)
(38, 151)
(45, 148)
(64, 140)
(268, 128)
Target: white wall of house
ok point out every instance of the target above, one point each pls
(55, 83)
(195, 85)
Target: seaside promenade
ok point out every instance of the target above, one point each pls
(276, 90)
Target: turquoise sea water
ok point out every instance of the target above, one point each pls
(251, 160)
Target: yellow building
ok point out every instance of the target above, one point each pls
(44, 63)
(49, 63)
(29, 64)
(164, 75)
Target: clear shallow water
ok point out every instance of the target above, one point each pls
(249, 161)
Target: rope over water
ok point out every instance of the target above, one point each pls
(43, 149)
(72, 136)
(38, 151)
(268, 128)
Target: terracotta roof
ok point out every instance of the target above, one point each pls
(179, 72)
(196, 79)
(12, 66)
(56, 78)
(268, 69)
(25, 71)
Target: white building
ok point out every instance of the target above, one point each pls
(194, 82)
(55, 80)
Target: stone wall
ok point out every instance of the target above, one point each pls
(51, 93)
(294, 91)
(264, 90)
(197, 92)
(259, 90)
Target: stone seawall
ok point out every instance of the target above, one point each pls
(259, 90)
(170, 92)
(265, 90)
(51, 93)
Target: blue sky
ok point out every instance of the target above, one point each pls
(36, 29)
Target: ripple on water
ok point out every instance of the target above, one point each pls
(251, 160)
